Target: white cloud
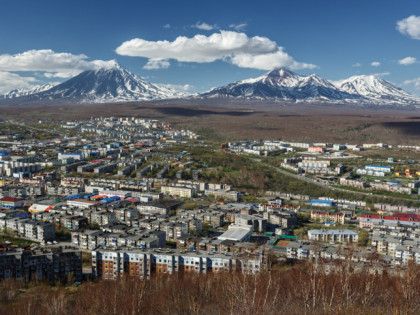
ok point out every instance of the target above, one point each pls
(407, 61)
(61, 75)
(414, 82)
(238, 27)
(266, 61)
(62, 65)
(204, 26)
(410, 26)
(375, 64)
(10, 81)
(167, 26)
(239, 49)
(356, 65)
(157, 63)
(177, 87)
(381, 74)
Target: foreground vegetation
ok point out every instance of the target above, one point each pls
(302, 289)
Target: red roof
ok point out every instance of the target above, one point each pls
(390, 218)
(132, 199)
(329, 213)
(406, 215)
(10, 199)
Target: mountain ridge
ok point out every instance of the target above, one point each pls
(283, 84)
(26, 92)
(114, 83)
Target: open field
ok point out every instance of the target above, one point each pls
(242, 121)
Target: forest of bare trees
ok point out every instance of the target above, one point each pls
(306, 288)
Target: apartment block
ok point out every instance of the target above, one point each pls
(111, 264)
(52, 264)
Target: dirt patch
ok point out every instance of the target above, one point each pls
(251, 121)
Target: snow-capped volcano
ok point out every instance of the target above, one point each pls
(376, 90)
(285, 85)
(113, 83)
(108, 84)
(281, 84)
(26, 92)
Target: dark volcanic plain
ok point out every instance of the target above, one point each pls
(226, 120)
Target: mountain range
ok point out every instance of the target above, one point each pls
(283, 84)
(116, 84)
(25, 92)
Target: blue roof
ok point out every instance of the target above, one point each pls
(380, 166)
(74, 153)
(3, 153)
(114, 198)
(327, 202)
(73, 197)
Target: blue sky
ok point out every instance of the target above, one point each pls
(44, 41)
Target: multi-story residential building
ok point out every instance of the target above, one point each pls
(258, 223)
(176, 191)
(73, 182)
(371, 221)
(335, 236)
(215, 219)
(111, 264)
(62, 190)
(141, 238)
(353, 183)
(390, 186)
(327, 216)
(223, 194)
(52, 264)
(157, 207)
(29, 229)
(174, 230)
(103, 217)
(11, 203)
(281, 218)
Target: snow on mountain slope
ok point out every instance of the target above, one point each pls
(109, 84)
(376, 90)
(114, 83)
(281, 84)
(26, 92)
